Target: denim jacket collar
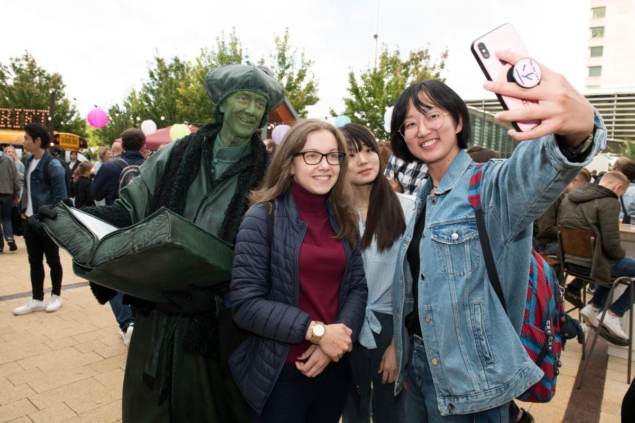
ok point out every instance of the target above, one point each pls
(452, 176)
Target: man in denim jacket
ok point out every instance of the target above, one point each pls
(40, 191)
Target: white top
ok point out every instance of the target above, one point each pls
(29, 204)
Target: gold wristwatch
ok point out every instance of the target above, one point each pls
(317, 332)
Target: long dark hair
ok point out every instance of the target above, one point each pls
(385, 220)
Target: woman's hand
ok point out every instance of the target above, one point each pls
(336, 341)
(388, 365)
(316, 363)
(562, 110)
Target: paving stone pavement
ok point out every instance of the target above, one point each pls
(65, 366)
(68, 366)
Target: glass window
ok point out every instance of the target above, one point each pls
(599, 12)
(597, 32)
(597, 51)
(595, 70)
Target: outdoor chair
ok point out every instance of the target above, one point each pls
(582, 243)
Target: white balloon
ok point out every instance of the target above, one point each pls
(387, 118)
(148, 127)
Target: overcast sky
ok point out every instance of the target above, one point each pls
(102, 49)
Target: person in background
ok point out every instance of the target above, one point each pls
(10, 186)
(302, 296)
(596, 208)
(106, 183)
(385, 151)
(39, 192)
(627, 201)
(73, 163)
(83, 196)
(271, 146)
(406, 178)
(373, 357)
(116, 149)
(10, 152)
(105, 154)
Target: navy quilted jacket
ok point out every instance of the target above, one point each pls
(272, 314)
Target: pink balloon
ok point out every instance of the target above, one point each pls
(279, 132)
(97, 118)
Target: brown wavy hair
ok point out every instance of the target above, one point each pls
(278, 178)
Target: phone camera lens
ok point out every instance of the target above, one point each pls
(484, 51)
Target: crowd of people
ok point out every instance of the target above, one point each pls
(357, 285)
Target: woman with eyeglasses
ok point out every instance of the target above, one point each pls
(458, 347)
(301, 295)
(382, 216)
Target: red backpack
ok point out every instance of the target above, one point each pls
(541, 332)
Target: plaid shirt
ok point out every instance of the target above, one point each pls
(411, 176)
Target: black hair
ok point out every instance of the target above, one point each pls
(441, 96)
(133, 139)
(628, 169)
(37, 130)
(385, 220)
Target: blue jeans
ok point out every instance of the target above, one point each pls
(421, 395)
(622, 267)
(386, 407)
(6, 204)
(123, 313)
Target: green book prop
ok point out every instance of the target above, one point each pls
(163, 252)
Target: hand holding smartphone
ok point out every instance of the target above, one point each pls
(503, 38)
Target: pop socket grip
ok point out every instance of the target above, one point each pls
(526, 73)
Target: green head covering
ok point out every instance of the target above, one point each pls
(227, 80)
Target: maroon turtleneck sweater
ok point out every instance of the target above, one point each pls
(322, 262)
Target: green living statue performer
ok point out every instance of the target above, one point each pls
(174, 372)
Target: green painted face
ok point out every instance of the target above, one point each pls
(242, 113)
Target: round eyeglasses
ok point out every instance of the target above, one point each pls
(313, 158)
(410, 128)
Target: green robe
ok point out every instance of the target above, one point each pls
(201, 389)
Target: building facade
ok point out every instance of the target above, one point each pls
(611, 59)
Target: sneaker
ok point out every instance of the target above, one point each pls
(590, 315)
(12, 246)
(55, 304)
(127, 335)
(613, 325)
(30, 307)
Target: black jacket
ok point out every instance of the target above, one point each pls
(83, 196)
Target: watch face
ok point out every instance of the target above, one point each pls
(318, 330)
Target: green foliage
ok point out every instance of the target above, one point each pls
(628, 149)
(294, 73)
(377, 88)
(25, 85)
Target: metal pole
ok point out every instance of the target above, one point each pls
(52, 113)
(376, 36)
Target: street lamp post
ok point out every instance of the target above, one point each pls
(52, 112)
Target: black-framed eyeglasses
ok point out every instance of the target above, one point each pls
(313, 158)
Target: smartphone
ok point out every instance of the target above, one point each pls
(503, 38)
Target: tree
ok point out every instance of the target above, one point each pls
(628, 149)
(25, 85)
(120, 120)
(294, 73)
(379, 87)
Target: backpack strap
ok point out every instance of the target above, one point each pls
(45, 170)
(626, 219)
(270, 219)
(121, 162)
(474, 197)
